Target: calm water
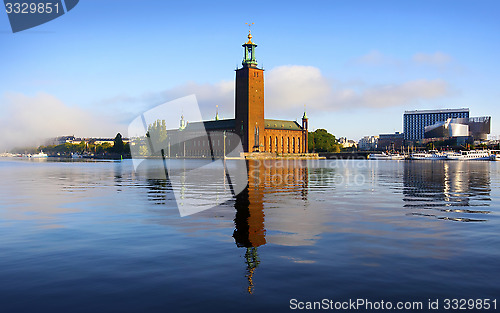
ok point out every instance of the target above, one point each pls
(99, 237)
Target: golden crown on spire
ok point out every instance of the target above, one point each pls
(249, 33)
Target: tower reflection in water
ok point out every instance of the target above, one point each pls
(264, 176)
(448, 190)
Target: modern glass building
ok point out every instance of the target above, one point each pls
(414, 122)
(477, 128)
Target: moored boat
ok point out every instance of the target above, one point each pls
(495, 155)
(385, 156)
(431, 155)
(470, 155)
(40, 155)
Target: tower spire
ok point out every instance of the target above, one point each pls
(249, 57)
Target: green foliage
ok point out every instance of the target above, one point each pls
(118, 146)
(103, 148)
(157, 133)
(83, 148)
(322, 141)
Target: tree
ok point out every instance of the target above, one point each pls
(103, 148)
(322, 141)
(118, 146)
(157, 133)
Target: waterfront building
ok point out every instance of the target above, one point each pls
(368, 143)
(75, 141)
(475, 128)
(390, 141)
(414, 122)
(257, 134)
(347, 143)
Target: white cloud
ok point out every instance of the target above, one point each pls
(287, 90)
(290, 87)
(295, 86)
(437, 59)
(376, 58)
(400, 94)
(208, 96)
(434, 59)
(30, 120)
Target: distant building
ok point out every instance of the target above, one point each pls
(368, 143)
(62, 140)
(476, 128)
(75, 141)
(346, 143)
(390, 141)
(414, 122)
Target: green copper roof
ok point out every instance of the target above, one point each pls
(283, 125)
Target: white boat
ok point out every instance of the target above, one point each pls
(385, 156)
(470, 155)
(76, 156)
(40, 155)
(495, 155)
(431, 155)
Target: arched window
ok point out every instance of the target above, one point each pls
(287, 144)
(270, 144)
(293, 144)
(276, 143)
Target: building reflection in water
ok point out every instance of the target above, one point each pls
(264, 176)
(448, 190)
(269, 182)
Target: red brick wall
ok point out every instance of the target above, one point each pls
(249, 105)
(284, 141)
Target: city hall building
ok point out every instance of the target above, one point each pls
(257, 133)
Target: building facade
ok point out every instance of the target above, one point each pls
(414, 122)
(476, 128)
(368, 143)
(347, 143)
(390, 141)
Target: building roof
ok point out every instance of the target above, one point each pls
(212, 125)
(283, 125)
(437, 111)
(231, 124)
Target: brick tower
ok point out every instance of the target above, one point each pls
(249, 102)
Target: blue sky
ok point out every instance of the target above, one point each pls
(356, 65)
